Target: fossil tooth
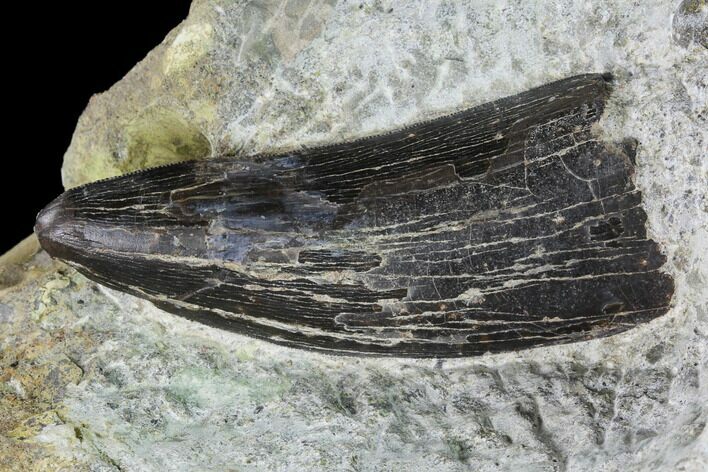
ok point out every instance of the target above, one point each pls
(502, 227)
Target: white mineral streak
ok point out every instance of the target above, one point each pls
(162, 393)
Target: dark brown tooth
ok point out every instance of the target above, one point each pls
(51, 226)
(502, 227)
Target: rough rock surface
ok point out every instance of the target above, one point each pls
(98, 380)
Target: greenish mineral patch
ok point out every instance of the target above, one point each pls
(160, 136)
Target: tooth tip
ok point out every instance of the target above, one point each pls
(48, 220)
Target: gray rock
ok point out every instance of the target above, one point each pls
(691, 23)
(6, 313)
(143, 390)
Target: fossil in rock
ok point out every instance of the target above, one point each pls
(502, 227)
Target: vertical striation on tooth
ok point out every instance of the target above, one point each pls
(502, 227)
